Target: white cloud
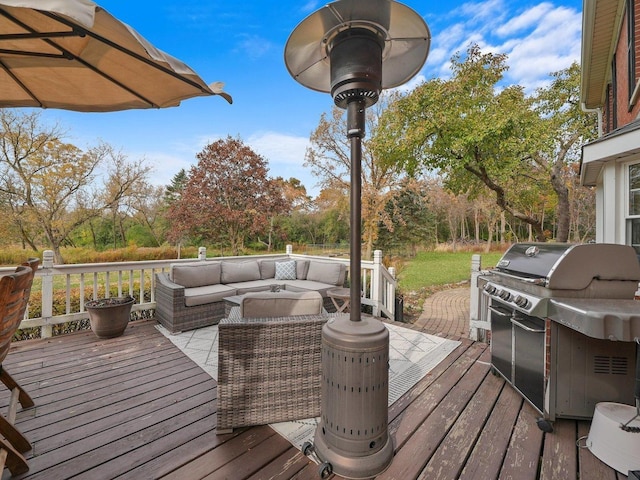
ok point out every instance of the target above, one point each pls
(527, 19)
(285, 155)
(537, 38)
(279, 147)
(253, 46)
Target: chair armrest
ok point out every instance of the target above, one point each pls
(167, 286)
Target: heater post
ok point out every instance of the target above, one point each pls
(355, 133)
(341, 49)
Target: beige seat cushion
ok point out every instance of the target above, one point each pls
(207, 294)
(280, 304)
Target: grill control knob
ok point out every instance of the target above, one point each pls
(521, 301)
(490, 289)
(504, 295)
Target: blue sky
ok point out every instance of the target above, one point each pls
(242, 45)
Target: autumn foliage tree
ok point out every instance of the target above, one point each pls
(475, 135)
(47, 186)
(329, 158)
(227, 197)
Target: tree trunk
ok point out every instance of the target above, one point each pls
(491, 226)
(562, 210)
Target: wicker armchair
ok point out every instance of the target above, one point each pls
(269, 369)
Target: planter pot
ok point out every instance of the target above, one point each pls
(109, 316)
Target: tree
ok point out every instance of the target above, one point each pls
(227, 196)
(295, 193)
(474, 133)
(46, 182)
(125, 187)
(415, 223)
(49, 185)
(175, 188)
(330, 159)
(148, 205)
(565, 128)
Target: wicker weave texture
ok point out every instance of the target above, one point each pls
(175, 316)
(269, 370)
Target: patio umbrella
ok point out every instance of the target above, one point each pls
(74, 55)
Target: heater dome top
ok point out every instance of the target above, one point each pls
(404, 34)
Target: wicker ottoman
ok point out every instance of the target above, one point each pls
(269, 370)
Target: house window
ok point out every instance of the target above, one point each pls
(631, 47)
(633, 215)
(633, 231)
(634, 189)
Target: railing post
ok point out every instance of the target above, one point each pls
(376, 283)
(289, 249)
(392, 293)
(476, 322)
(202, 253)
(46, 331)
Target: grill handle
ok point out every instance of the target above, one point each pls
(500, 311)
(534, 281)
(525, 327)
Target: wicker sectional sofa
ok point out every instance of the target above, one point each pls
(191, 295)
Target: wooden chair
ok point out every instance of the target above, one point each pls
(15, 290)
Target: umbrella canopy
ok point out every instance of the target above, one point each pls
(73, 55)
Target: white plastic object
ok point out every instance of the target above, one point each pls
(614, 446)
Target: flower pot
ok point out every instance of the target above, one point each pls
(109, 316)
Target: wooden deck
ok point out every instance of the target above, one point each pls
(135, 407)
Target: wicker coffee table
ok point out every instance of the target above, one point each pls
(230, 302)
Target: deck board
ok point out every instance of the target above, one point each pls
(488, 453)
(524, 449)
(135, 407)
(451, 456)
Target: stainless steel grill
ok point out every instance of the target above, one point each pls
(529, 274)
(554, 311)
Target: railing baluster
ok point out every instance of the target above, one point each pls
(119, 283)
(82, 292)
(68, 295)
(141, 291)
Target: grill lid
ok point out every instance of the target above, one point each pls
(531, 260)
(571, 266)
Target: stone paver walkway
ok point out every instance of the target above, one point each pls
(446, 313)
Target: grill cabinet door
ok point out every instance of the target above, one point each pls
(528, 356)
(501, 351)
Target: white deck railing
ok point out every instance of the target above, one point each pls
(138, 279)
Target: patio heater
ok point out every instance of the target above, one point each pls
(353, 49)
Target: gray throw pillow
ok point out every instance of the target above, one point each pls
(286, 270)
(302, 267)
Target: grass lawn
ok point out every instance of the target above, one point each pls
(428, 269)
(429, 272)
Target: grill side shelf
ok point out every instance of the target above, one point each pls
(607, 319)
